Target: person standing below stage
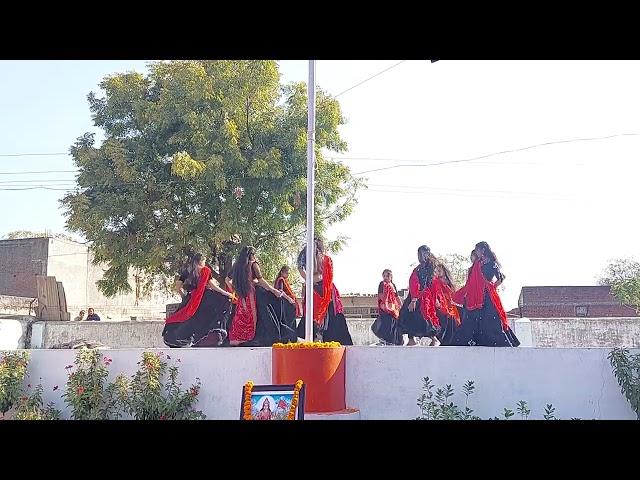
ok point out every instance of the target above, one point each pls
(285, 311)
(418, 315)
(485, 321)
(386, 325)
(329, 324)
(254, 322)
(447, 311)
(201, 319)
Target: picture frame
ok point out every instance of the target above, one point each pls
(273, 402)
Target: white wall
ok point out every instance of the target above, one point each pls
(222, 372)
(385, 382)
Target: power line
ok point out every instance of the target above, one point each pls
(529, 147)
(38, 172)
(370, 78)
(55, 154)
(426, 188)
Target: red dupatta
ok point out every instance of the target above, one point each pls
(428, 305)
(289, 291)
(389, 303)
(321, 302)
(474, 293)
(443, 294)
(186, 312)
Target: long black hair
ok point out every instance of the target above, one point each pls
(488, 252)
(240, 272)
(191, 272)
(448, 278)
(318, 255)
(427, 266)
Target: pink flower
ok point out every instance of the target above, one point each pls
(194, 392)
(162, 417)
(80, 390)
(107, 361)
(238, 193)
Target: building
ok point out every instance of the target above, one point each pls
(568, 301)
(72, 264)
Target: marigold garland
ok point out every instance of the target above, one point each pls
(246, 407)
(307, 345)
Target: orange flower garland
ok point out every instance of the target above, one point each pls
(307, 345)
(246, 406)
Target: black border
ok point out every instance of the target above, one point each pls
(276, 388)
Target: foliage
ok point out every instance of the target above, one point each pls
(13, 370)
(458, 266)
(86, 392)
(626, 368)
(523, 410)
(437, 406)
(149, 399)
(549, 412)
(623, 276)
(32, 407)
(202, 156)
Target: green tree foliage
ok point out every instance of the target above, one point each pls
(203, 156)
(623, 276)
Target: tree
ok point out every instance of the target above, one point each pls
(623, 276)
(458, 266)
(202, 156)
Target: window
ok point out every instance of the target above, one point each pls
(581, 311)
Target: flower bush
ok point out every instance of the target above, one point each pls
(87, 393)
(13, 370)
(149, 399)
(32, 407)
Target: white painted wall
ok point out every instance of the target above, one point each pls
(384, 382)
(222, 371)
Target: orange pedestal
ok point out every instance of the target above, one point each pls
(321, 369)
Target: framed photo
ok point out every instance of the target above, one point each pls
(273, 402)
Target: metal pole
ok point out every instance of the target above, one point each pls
(311, 139)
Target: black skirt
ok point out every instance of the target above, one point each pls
(386, 329)
(448, 328)
(483, 327)
(334, 329)
(211, 317)
(413, 323)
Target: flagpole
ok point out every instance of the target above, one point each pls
(311, 139)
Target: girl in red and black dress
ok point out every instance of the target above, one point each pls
(447, 311)
(386, 325)
(203, 315)
(285, 311)
(329, 323)
(418, 314)
(254, 321)
(484, 322)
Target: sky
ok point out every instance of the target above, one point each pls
(554, 214)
